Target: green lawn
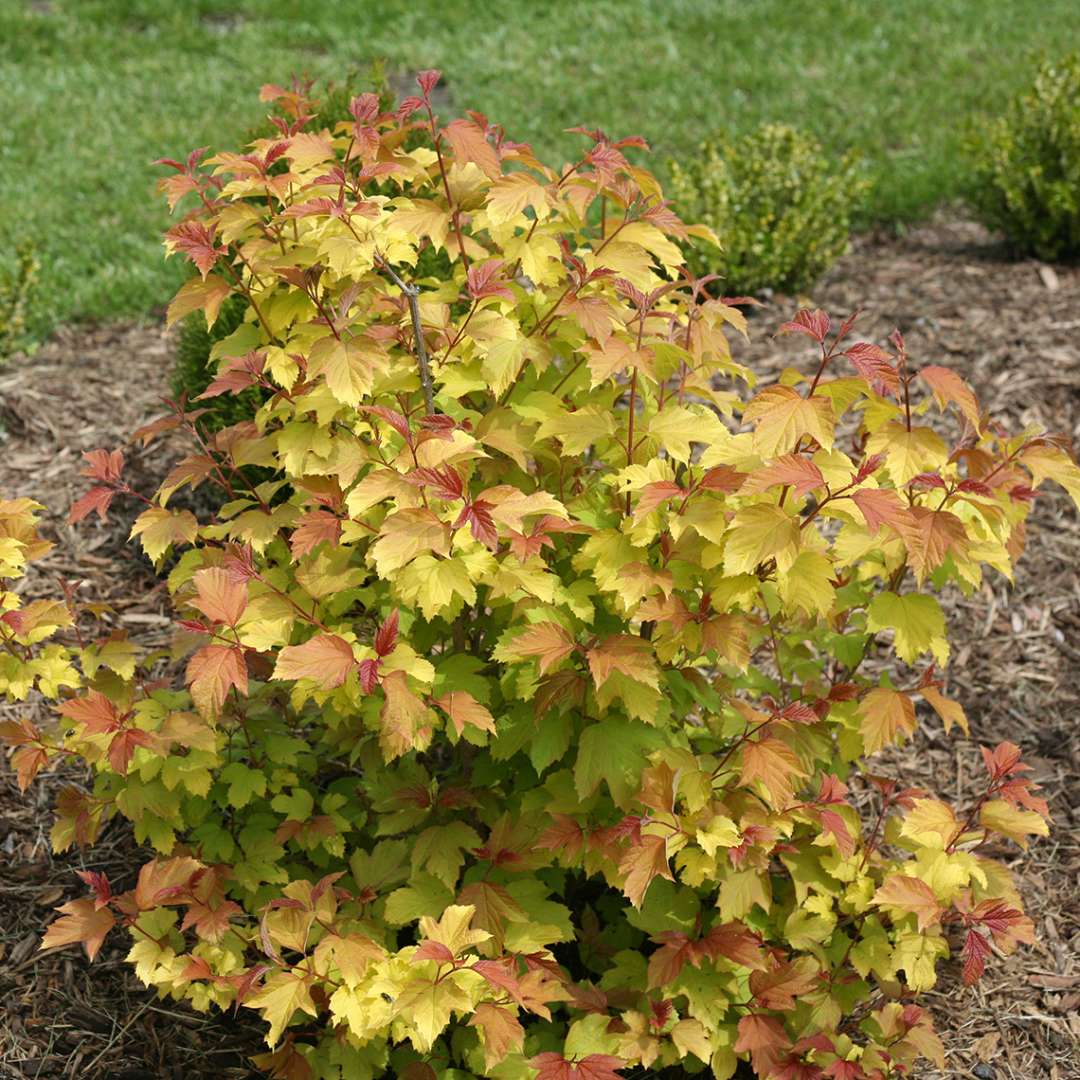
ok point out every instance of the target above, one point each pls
(93, 90)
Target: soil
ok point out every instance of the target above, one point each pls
(1011, 328)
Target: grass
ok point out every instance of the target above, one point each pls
(94, 90)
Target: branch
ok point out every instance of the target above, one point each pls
(412, 294)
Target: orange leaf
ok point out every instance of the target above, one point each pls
(221, 599)
(81, 921)
(948, 387)
(325, 658)
(779, 988)
(641, 864)
(552, 1066)
(547, 641)
(632, 656)
(933, 535)
(463, 708)
(469, 143)
(882, 506)
(883, 713)
(162, 881)
(211, 673)
(776, 765)
(912, 896)
(791, 470)
(404, 718)
(501, 1032)
(764, 1039)
(951, 712)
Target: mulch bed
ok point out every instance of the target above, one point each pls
(1013, 329)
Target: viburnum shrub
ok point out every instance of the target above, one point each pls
(526, 711)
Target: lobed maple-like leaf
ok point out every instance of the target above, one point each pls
(82, 922)
(326, 659)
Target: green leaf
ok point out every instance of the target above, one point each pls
(424, 895)
(614, 751)
(917, 620)
(244, 783)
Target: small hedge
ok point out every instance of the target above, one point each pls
(16, 287)
(1027, 166)
(780, 206)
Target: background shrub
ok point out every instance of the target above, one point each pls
(779, 205)
(16, 289)
(1027, 166)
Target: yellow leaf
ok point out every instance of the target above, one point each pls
(158, 529)
(283, 994)
(349, 370)
(426, 1008)
(807, 584)
(757, 533)
(782, 416)
(406, 534)
(509, 195)
(930, 823)
(433, 583)
(883, 713)
(998, 816)
(675, 428)
(720, 832)
(908, 452)
(453, 929)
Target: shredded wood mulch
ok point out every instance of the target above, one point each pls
(1013, 329)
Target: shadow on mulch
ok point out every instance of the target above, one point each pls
(1011, 328)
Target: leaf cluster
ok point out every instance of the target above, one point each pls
(522, 713)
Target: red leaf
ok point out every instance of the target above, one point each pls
(976, 950)
(196, 241)
(99, 883)
(387, 634)
(434, 950)
(814, 324)
(428, 79)
(552, 1066)
(96, 499)
(447, 483)
(790, 470)
(123, 746)
(95, 712)
(873, 364)
(481, 523)
(105, 466)
(314, 528)
(486, 279)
